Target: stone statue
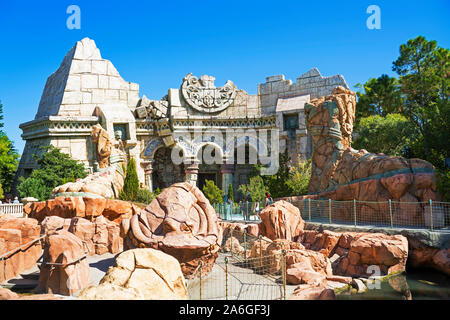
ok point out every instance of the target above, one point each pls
(109, 180)
(101, 138)
(340, 172)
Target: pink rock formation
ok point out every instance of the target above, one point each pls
(180, 222)
(63, 247)
(281, 220)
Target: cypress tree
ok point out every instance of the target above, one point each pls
(131, 184)
(230, 192)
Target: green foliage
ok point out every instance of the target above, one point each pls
(1, 192)
(1, 115)
(424, 70)
(421, 95)
(391, 135)
(379, 96)
(131, 185)
(278, 185)
(230, 192)
(256, 188)
(144, 196)
(9, 159)
(443, 184)
(300, 176)
(212, 192)
(55, 168)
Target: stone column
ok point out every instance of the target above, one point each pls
(148, 175)
(191, 173)
(227, 171)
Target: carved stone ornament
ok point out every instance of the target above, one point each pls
(203, 96)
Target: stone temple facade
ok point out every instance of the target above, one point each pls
(87, 89)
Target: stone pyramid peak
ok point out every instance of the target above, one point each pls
(313, 72)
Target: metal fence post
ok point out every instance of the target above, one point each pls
(329, 208)
(226, 278)
(231, 240)
(309, 208)
(283, 267)
(431, 214)
(354, 210)
(200, 269)
(246, 212)
(390, 212)
(245, 245)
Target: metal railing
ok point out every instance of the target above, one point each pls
(247, 268)
(429, 215)
(13, 209)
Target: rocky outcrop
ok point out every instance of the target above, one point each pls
(180, 222)
(281, 220)
(70, 273)
(83, 207)
(6, 294)
(341, 173)
(140, 274)
(434, 258)
(14, 233)
(99, 236)
(354, 252)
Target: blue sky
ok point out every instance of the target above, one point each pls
(156, 43)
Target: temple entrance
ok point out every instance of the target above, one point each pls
(202, 177)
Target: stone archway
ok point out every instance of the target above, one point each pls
(165, 172)
(207, 170)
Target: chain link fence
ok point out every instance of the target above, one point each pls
(431, 215)
(247, 268)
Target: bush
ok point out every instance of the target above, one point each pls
(55, 168)
(443, 184)
(144, 196)
(300, 176)
(230, 192)
(212, 192)
(131, 184)
(256, 188)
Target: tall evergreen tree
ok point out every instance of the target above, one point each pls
(131, 185)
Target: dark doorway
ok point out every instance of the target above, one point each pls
(206, 176)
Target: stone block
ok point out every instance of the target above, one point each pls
(111, 70)
(99, 66)
(265, 88)
(123, 95)
(103, 82)
(111, 95)
(174, 98)
(114, 83)
(73, 83)
(89, 81)
(98, 96)
(278, 77)
(72, 97)
(87, 97)
(133, 86)
(80, 66)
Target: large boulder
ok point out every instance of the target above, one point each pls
(99, 236)
(281, 220)
(438, 259)
(15, 233)
(72, 274)
(140, 274)
(180, 222)
(83, 207)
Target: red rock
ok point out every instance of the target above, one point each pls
(181, 222)
(51, 224)
(63, 247)
(13, 264)
(318, 262)
(100, 238)
(312, 292)
(253, 229)
(115, 210)
(85, 230)
(94, 207)
(281, 220)
(115, 242)
(304, 276)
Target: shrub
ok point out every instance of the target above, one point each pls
(443, 184)
(131, 184)
(212, 192)
(300, 176)
(144, 196)
(230, 192)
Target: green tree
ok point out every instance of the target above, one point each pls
(212, 192)
(9, 159)
(391, 135)
(424, 70)
(230, 192)
(300, 176)
(256, 188)
(1, 192)
(131, 184)
(379, 96)
(55, 168)
(278, 184)
(1, 115)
